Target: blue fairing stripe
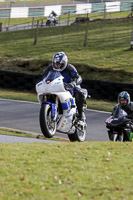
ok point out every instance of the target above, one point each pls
(66, 106)
(72, 101)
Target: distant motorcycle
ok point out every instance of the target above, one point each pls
(119, 126)
(58, 109)
(52, 19)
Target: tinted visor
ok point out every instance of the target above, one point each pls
(58, 65)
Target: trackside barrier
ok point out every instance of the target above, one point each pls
(25, 12)
(19, 81)
(96, 88)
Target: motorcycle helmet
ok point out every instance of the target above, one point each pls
(123, 98)
(59, 61)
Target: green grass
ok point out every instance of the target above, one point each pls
(28, 96)
(16, 21)
(89, 170)
(16, 133)
(64, 17)
(106, 57)
(6, 131)
(18, 95)
(66, 171)
(100, 105)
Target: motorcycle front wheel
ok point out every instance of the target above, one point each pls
(78, 135)
(48, 126)
(48, 22)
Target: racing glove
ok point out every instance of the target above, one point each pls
(69, 86)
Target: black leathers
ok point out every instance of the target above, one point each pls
(128, 109)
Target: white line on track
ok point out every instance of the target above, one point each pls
(100, 111)
(39, 104)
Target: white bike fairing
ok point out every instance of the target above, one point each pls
(56, 87)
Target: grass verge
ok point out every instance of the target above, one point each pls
(6, 131)
(89, 170)
(15, 132)
(18, 95)
(107, 55)
(27, 96)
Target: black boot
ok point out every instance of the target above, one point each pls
(81, 116)
(79, 97)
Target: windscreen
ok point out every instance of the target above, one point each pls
(52, 75)
(119, 112)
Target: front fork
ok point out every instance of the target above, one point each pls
(54, 107)
(114, 135)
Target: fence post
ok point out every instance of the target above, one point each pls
(36, 33)
(59, 20)
(0, 26)
(41, 22)
(132, 10)
(104, 11)
(68, 19)
(131, 13)
(87, 14)
(86, 33)
(131, 42)
(32, 22)
(77, 26)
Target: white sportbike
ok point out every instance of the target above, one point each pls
(58, 109)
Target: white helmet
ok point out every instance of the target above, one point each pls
(60, 58)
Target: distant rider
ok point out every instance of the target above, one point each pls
(125, 104)
(72, 79)
(53, 15)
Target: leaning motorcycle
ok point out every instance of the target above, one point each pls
(58, 109)
(119, 126)
(51, 21)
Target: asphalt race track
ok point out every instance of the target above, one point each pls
(21, 115)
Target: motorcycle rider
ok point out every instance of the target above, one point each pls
(125, 104)
(72, 79)
(53, 17)
(53, 13)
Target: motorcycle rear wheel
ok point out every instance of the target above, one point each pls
(79, 136)
(48, 126)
